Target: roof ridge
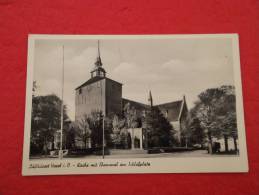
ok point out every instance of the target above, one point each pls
(134, 101)
(97, 78)
(113, 80)
(169, 102)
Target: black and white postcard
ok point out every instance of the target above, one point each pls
(98, 104)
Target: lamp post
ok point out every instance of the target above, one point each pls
(103, 136)
(60, 154)
(101, 120)
(145, 129)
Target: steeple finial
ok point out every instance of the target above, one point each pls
(99, 55)
(150, 99)
(98, 59)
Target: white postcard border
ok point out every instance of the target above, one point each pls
(170, 165)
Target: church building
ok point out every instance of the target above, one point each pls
(103, 94)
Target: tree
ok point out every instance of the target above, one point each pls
(116, 131)
(130, 114)
(230, 124)
(197, 132)
(95, 123)
(84, 131)
(158, 129)
(45, 121)
(34, 88)
(216, 112)
(226, 111)
(186, 132)
(131, 122)
(70, 135)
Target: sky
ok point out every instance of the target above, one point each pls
(170, 68)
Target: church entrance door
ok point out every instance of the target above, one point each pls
(136, 143)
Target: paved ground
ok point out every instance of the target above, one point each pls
(195, 153)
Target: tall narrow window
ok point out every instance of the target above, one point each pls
(166, 113)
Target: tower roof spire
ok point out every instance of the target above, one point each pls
(98, 69)
(150, 99)
(99, 49)
(98, 62)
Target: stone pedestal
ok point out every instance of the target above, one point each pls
(141, 139)
(136, 133)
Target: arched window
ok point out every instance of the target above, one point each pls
(166, 113)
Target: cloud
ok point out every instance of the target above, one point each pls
(169, 69)
(135, 73)
(49, 86)
(176, 65)
(128, 68)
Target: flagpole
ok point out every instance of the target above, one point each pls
(62, 111)
(103, 136)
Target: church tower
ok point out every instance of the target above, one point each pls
(98, 94)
